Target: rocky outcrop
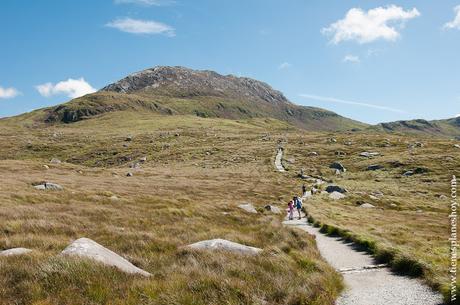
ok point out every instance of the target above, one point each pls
(15, 251)
(248, 207)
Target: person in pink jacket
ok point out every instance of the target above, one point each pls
(291, 209)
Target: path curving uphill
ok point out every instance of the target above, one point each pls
(278, 164)
(367, 283)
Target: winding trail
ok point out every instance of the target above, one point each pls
(278, 164)
(367, 283)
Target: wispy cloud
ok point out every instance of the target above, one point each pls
(351, 58)
(73, 88)
(284, 65)
(348, 102)
(145, 2)
(137, 26)
(454, 24)
(365, 27)
(6, 93)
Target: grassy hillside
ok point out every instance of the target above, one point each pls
(443, 128)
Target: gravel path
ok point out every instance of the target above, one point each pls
(366, 282)
(279, 155)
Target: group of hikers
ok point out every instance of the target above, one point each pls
(296, 203)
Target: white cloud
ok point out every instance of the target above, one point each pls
(351, 58)
(454, 24)
(340, 101)
(8, 92)
(73, 88)
(365, 27)
(284, 65)
(136, 26)
(144, 2)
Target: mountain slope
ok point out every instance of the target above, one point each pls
(446, 128)
(178, 90)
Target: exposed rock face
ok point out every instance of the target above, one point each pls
(193, 82)
(222, 244)
(87, 248)
(248, 207)
(15, 251)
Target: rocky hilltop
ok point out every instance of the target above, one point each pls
(183, 91)
(185, 82)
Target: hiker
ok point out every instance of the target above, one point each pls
(298, 205)
(304, 190)
(291, 209)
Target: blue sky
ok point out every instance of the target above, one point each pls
(373, 61)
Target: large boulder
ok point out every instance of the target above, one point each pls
(87, 248)
(367, 206)
(15, 251)
(337, 165)
(335, 188)
(248, 207)
(222, 244)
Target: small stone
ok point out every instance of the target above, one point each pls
(336, 195)
(114, 198)
(374, 167)
(340, 153)
(129, 174)
(55, 161)
(129, 138)
(456, 145)
(408, 173)
(337, 165)
(222, 244)
(143, 159)
(46, 166)
(442, 197)
(367, 206)
(313, 154)
(273, 209)
(369, 154)
(15, 251)
(393, 205)
(248, 207)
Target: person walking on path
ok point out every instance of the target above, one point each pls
(304, 190)
(298, 205)
(291, 209)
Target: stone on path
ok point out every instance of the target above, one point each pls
(273, 209)
(49, 186)
(336, 195)
(248, 207)
(87, 248)
(222, 244)
(15, 251)
(335, 188)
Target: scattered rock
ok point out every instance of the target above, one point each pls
(55, 161)
(396, 163)
(419, 211)
(456, 145)
(348, 143)
(313, 154)
(85, 247)
(222, 244)
(418, 144)
(15, 251)
(337, 165)
(114, 198)
(336, 195)
(143, 159)
(136, 165)
(332, 140)
(248, 207)
(129, 174)
(340, 153)
(335, 188)
(442, 197)
(374, 167)
(408, 173)
(337, 172)
(273, 209)
(367, 206)
(46, 166)
(420, 170)
(369, 154)
(49, 186)
(129, 138)
(393, 205)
